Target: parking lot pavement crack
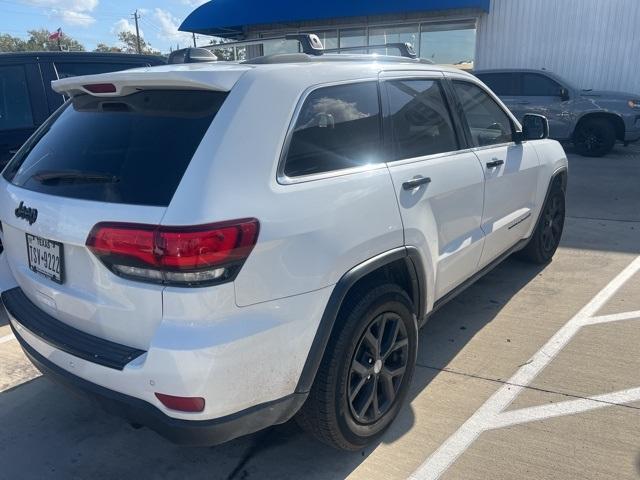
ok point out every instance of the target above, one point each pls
(529, 387)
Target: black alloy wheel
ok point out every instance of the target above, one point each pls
(594, 137)
(546, 237)
(552, 223)
(377, 368)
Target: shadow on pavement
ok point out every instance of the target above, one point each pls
(47, 432)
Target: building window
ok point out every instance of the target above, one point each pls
(329, 38)
(393, 34)
(449, 44)
(353, 37)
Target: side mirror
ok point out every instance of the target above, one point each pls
(534, 127)
(564, 94)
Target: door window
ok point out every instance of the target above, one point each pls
(537, 85)
(338, 127)
(419, 119)
(488, 122)
(15, 106)
(502, 84)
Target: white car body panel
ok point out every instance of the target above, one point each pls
(443, 218)
(510, 196)
(225, 342)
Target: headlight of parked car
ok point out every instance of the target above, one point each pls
(634, 104)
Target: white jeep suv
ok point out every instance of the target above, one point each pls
(211, 249)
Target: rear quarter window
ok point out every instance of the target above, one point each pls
(132, 149)
(338, 127)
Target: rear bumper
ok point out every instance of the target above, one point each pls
(117, 377)
(184, 432)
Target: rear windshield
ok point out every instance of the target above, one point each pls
(132, 149)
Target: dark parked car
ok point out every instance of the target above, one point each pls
(26, 97)
(592, 120)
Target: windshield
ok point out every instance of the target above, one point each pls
(132, 149)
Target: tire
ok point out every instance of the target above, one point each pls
(349, 377)
(546, 237)
(594, 137)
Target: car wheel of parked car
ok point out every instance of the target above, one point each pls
(366, 371)
(594, 137)
(546, 237)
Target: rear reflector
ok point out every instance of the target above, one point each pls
(182, 404)
(101, 88)
(183, 256)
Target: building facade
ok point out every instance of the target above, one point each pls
(591, 43)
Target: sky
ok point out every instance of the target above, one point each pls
(99, 21)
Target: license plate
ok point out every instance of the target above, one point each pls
(45, 257)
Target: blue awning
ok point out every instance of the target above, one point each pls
(228, 18)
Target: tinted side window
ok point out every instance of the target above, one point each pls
(489, 124)
(419, 119)
(502, 84)
(66, 70)
(537, 85)
(338, 127)
(15, 107)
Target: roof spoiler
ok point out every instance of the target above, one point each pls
(127, 82)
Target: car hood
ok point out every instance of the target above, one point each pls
(609, 94)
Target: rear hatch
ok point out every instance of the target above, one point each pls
(116, 156)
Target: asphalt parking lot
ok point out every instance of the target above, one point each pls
(532, 373)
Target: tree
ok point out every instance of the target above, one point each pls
(107, 49)
(225, 54)
(130, 42)
(9, 43)
(39, 41)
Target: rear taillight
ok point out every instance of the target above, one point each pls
(182, 256)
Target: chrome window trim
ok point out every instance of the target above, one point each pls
(284, 179)
(428, 158)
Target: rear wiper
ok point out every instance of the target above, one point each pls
(74, 176)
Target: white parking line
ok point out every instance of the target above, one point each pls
(487, 416)
(7, 338)
(615, 317)
(570, 407)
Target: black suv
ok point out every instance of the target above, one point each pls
(26, 98)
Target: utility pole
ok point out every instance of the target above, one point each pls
(136, 17)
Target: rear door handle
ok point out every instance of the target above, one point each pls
(495, 163)
(415, 183)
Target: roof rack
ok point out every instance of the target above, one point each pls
(310, 45)
(406, 49)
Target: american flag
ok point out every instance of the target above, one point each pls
(57, 35)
